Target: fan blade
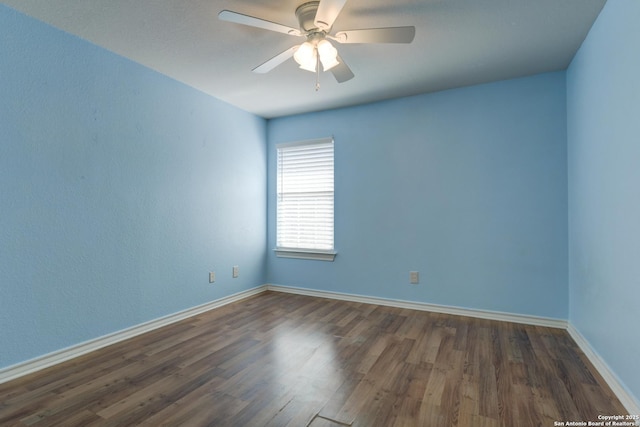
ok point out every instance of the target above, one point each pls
(328, 11)
(377, 35)
(275, 61)
(341, 72)
(239, 18)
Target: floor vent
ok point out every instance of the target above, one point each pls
(320, 421)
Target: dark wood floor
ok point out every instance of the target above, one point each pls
(277, 359)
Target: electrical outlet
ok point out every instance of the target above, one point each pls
(212, 277)
(414, 277)
(236, 271)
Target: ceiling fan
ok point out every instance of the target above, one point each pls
(316, 19)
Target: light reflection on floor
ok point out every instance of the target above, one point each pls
(307, 361)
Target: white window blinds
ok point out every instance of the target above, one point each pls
(305, 196)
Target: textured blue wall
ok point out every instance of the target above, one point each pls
(467, 186)
(120, 189)
(603, 104)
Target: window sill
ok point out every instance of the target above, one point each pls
(311, 254)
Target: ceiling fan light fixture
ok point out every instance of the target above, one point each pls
(328, 54)
(316, 19)
(306, 56)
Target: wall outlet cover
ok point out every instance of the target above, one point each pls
(414, 277)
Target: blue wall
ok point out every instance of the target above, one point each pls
(120, 189)
(467, 186)
(603, 105)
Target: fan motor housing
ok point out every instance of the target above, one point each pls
(306, 14)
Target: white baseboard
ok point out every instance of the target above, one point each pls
(459, 311)
(625, 397)
(50, 359)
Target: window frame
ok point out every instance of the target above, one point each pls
(301, 252)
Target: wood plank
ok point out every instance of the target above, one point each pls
(278, 359)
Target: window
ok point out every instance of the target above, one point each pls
(305, 200)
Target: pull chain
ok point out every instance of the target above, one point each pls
(317, 71)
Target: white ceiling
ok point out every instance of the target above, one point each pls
(458, 43)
